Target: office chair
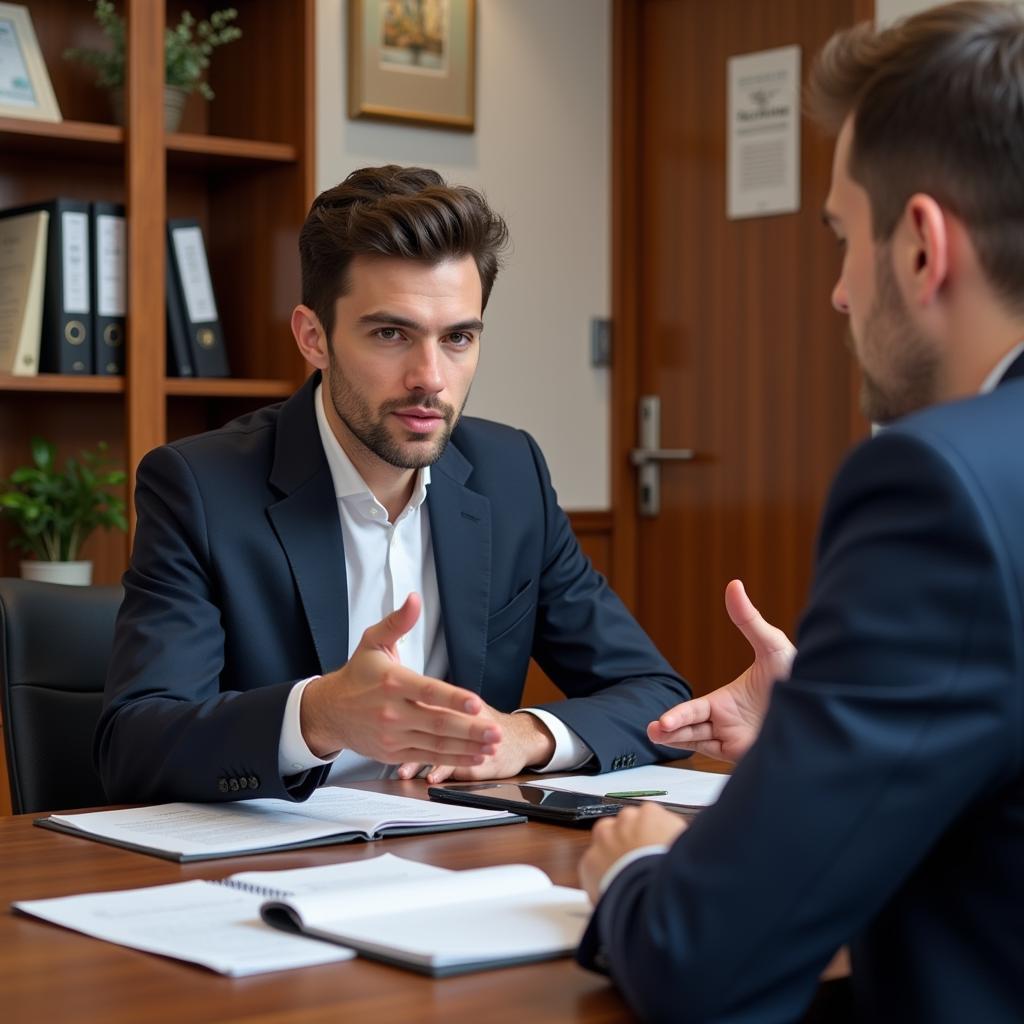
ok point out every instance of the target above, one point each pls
(55, 643)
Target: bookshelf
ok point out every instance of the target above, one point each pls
(242, 165)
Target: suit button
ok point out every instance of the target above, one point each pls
(233, 785)
(222, 785)
(254, 782)
(243, 782)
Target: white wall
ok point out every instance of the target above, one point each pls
(541, 153)
(887, 11)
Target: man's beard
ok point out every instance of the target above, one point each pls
(372, 431)
(911, 360)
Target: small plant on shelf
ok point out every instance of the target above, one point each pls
(56, 509)
(187, 50)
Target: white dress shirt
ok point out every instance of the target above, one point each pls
(384, 563)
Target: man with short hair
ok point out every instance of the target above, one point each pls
(878, 798)
(351, 584)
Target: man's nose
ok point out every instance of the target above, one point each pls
(840, 303)
(424, 372)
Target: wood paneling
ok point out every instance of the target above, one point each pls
(729, 322)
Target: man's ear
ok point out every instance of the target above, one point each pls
(309, 336)
(921, 250)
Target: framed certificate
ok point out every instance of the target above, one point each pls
(413, 61)
(25, 89)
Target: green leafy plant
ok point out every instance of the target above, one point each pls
(57, 509)
(187, 48)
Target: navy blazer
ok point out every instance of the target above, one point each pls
(883, 802)
(237, 589)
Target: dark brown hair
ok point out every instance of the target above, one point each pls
(938, 107)
(400, 212)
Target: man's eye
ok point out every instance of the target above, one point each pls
(460, 339)
(388, 333)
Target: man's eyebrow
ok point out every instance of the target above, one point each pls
(384, 318)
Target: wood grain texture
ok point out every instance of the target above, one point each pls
(79, 978)
(729, 322)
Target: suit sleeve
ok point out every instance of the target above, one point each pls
(596, 652)
(166, 731)
(895, 720)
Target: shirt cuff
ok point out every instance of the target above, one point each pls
(625, 860)
(293, 753)
(570, 751)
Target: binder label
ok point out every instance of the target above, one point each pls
(110, 266)
(75, 233)
(195, 274)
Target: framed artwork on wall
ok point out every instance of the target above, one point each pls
(25, 88)
(413, 61)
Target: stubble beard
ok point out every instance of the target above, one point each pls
(372, 430)
(911, 379)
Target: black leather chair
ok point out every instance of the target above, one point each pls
(55, 643)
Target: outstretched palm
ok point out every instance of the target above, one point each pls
(725, 722)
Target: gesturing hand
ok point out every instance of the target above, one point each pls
(525, 743)
(726, 722)
(377, 707)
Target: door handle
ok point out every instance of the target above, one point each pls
(649, 454)
(641, 456)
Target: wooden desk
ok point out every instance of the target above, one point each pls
(47, 972)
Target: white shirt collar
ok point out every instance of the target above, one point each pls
(347, 480)
(996, 373)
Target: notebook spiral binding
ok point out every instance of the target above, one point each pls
(257, 890)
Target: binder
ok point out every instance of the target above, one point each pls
(22, 285)
(193, 290)
(65, 344)
(179, 362)
(110, 283)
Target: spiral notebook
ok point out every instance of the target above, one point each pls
(425, 918)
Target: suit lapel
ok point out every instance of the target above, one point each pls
(306, 523)
(1014, 370)
(460, 530)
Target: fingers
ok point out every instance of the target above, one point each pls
(761, 635)
(434, 694)
(440, 773)
(690, 712)
(684, 737)
(386, 633)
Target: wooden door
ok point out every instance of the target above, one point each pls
(729, 323)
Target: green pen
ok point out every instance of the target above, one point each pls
(639, 792)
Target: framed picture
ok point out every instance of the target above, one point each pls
(413, 61)
(25, 89)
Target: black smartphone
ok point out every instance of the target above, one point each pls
(533, 801)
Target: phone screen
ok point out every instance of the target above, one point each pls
(526, 798)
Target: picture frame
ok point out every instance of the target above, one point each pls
(413, 61)
(25, 87)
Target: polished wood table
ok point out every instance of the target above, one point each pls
(49, 973)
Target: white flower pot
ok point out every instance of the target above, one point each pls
(75, 574)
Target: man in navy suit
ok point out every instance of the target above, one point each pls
(878, 795)
(351, 584)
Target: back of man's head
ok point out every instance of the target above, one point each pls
(937, 102)
(399, 213)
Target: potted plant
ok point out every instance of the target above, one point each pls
(187, 50)
(57, 509)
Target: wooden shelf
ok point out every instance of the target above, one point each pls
(227, 387)
(65, 383)
(84, 139)
(215, 150)
(66, 138)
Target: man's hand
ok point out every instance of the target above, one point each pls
(631, 828)
(378, 708)
(726, 722)
(526, 743)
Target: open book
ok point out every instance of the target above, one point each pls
(449, 923)
(412, 914)
(186, 832)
